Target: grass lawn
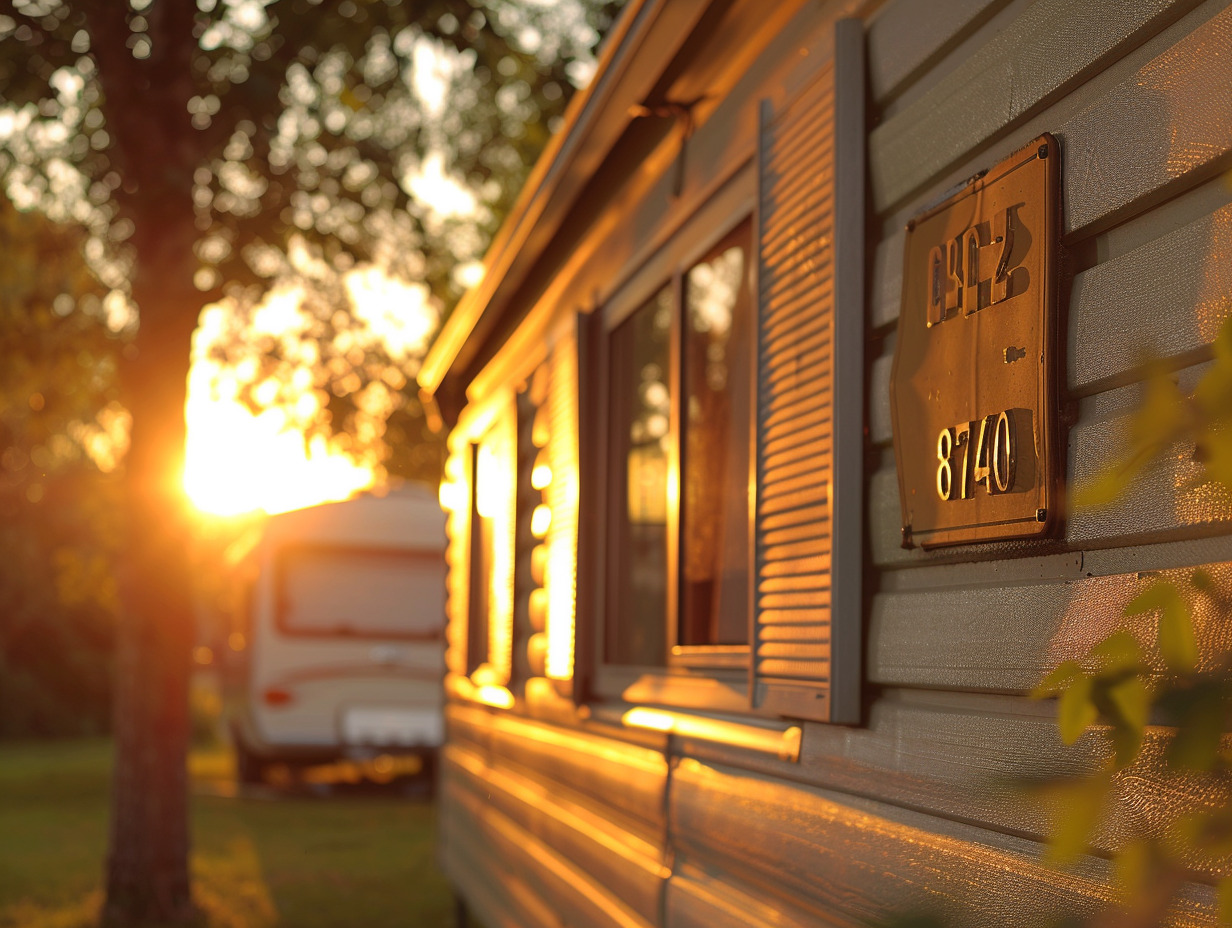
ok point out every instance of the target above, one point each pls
(287, 862)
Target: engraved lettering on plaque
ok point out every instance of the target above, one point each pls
(973, 393)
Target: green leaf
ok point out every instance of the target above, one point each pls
(1203, 582)
(1132, 867)
(1058, 680)
(1224, 896)
(1118, 652)
(1103, 490)
(1199, 733)
(1153, 598)
(1076, 809)
(1131, 700)
(1176, 635)
(1176, 638)
(1216, 454)
(1075, 710)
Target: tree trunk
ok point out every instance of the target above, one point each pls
(155, 149)
(147, 877)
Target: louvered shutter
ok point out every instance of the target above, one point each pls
(808, 536)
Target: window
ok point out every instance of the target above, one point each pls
(360, 592)
(679, 414)
(490, 616)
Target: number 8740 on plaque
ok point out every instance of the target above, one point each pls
(974, 453)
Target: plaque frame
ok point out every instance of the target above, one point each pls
(973, 390)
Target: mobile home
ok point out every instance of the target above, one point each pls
(343, 653)
(762, 421)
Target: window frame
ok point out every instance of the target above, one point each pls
(714, 677)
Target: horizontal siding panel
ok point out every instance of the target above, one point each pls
(860, 859)
(996, 88)
(1116, 322)
(1003, 636)
(906, 34)
(574, 896)
(886, 291)
(880, 419)
(699, 900)
(472, 864)
(624, 779)
(957, 755)
(1170, 119)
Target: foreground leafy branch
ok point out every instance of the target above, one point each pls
(1122, 685)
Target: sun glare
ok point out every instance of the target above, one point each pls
(239, 461)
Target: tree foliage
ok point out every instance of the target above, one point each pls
(313, 139)
(61, 433)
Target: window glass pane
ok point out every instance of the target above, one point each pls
(335, 591)
(638, 503)
(714, 519)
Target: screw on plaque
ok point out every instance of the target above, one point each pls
(1043, 151)
(1041, 515)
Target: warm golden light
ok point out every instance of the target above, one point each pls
(540, 519)
(495, 501)
(560, 574)
(496, 696)
(239, 461)
(782, 743)
(452, 495)
(541, 475)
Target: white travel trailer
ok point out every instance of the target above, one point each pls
(344, 647)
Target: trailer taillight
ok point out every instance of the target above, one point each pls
(276, 696)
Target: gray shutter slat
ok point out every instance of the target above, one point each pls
(806, 604)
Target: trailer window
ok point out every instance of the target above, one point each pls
(361, 592)
(678, 491)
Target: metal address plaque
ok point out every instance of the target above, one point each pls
(972, 392)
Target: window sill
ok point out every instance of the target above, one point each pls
(777, 741)
(711, 690)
